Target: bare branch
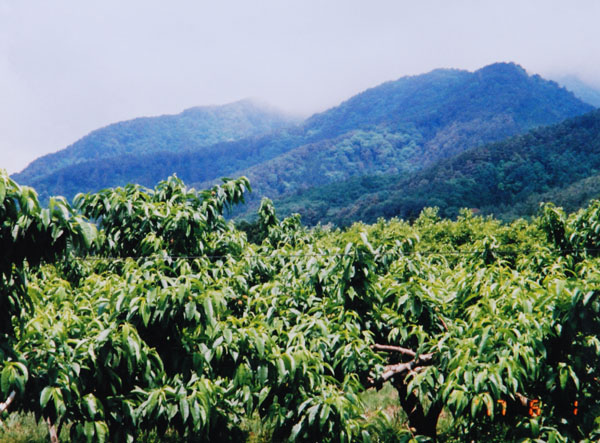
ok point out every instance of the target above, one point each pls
(4, 406)
(400, 368)
(522, 399)
(399, 349)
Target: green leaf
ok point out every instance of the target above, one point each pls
(260, 346)
(264, 392)
(101, 431)
(45, 215)
(90, 402)
(184, 408)
(483, 341)
(587, 297)
(145, 313)
(263, 374)
(45, 396)
(152, 402)
(295, 431)
(88, 233)
(208, 310)
(574, 377)
(563, 375)
(478, 379)
(324, 415)
(195, 413)
(89, 430)
(190, 310)
(312, 413)
(228, 336)
(289, 363)
(535, 427)
(6, 379)
(458, 400)
(103, 335)
(281, 369)
(475, 406)
(59, 404)
(134, 348)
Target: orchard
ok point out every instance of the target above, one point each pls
(138, 310)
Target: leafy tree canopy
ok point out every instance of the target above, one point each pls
(170, 319)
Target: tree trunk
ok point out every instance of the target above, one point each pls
(424, 424)
(52, 431)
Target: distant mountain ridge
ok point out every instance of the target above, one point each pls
(398, 127)
(408, 124)
(559, 163)
(189, 130)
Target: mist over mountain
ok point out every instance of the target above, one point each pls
(191, 130)
(582, 90)
(398, 127)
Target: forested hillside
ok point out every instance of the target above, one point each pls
(163, 322)
(560, 163)
(191, 130)
(397, 127)
(405, 125)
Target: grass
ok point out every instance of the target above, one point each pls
(383, 414)
(23, 428)
(386, 419)
(385, 398)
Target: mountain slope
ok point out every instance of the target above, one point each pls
(436, 99)
(212, 161)
(510, 178)
(397, 127)
(581, 89)
(403, 126)
(192, 129)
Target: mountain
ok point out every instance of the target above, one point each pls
(559, 163)
(191, 130)
(395, 128)
(402, 126)
(582, 90)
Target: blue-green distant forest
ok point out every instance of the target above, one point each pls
(388, 151)
(510, 178)
(192, 130)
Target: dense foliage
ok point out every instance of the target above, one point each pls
(509, 179)
(30, 235)
(170, 320)
(397, 127)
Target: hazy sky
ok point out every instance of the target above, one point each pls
(68, 67)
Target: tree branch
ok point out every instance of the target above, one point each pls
(4, 406)
(524, 401)
(399, 349)
(399, 368)
(415, 364)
